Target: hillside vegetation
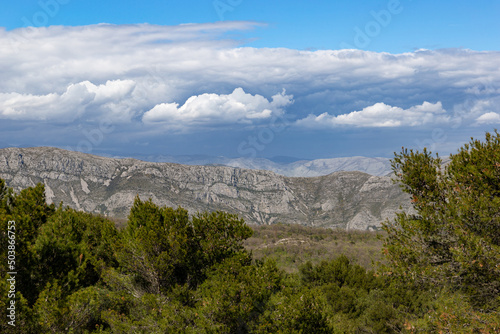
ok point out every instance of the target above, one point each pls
(292, 245)
(165, 271)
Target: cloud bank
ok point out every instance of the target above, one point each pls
(193, 77)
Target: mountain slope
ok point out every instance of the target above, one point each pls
(108, 186)
(296, 168)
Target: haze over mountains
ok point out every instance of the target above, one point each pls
(347, 199)
(286, 166)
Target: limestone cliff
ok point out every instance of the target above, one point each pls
(352, 200)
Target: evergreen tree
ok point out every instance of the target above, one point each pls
(453, 239)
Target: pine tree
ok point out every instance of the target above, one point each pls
(453, 240)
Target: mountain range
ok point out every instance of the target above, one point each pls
(286, 166)
(108, 186)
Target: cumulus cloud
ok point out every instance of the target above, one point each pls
(237, 107)
(76, 100)
(489, 118)
(148, 77)
(174, 63)
(381, 115)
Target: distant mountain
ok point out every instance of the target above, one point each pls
(352, 200)
(286, 166)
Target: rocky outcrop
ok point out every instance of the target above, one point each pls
(297, 168)
(352, 200)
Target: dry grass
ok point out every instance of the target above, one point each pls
(292, 245)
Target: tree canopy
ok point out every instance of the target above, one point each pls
(168, 271)
(453, 238)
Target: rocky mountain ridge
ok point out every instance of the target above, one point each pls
(352, 200)
(294, 168)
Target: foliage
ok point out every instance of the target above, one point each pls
(292, 245)
(451, 312)
(72, 248)
(452, 240)
(59, 258)
(29, 211)
(168, 272)
(236, 293)
(164, 255)
(156, 247)
(295, 310)
(163, 247)
(340, 272)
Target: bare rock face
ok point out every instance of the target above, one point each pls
(352, 200)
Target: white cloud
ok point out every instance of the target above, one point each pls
(472, 110)
(76, 100)
(489, 118)
(177, 60)
(147, 77)
(237, 107)
(381, 115)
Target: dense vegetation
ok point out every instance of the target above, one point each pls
(168, 272)
(292, 245)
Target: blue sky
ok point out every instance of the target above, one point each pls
(248, 78)
(320, 24)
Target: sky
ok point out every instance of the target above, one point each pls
(241, 78)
